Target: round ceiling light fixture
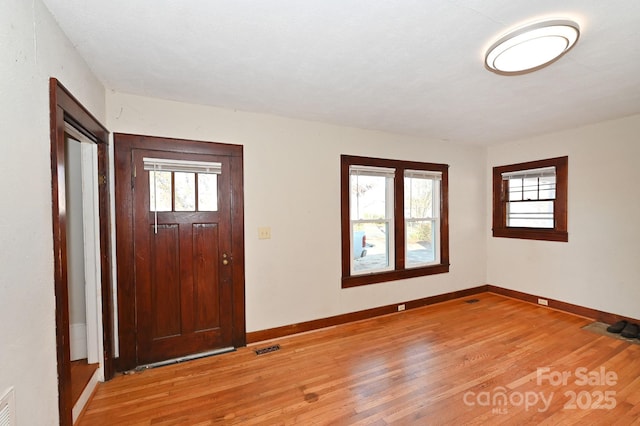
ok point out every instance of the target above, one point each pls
(532, 47)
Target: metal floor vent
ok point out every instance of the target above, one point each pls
(472, 301)
(267, 350)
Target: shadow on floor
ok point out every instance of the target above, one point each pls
(601, 328)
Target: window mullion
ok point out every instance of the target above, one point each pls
(173, 191)
(197, 193)
(400, 227)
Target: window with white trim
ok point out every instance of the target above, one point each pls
(530, 197)
(394, 219)
(371, 210)
(422, 217)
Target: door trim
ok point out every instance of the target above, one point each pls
(65, 108)
(124, 144)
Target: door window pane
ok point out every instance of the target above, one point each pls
(207, 192)
(185, 194)
(160, 191)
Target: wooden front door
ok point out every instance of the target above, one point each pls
(184, 253)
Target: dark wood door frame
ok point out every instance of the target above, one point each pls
(65, 108)
(124, 144)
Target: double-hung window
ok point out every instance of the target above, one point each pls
(371, 201)
(422, 217)
(530, 197)
(530, 200)
(394, 220)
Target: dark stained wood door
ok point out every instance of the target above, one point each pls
(182, 238)
(180, 261)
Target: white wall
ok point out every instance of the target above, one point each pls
(75, 234)
(33, 49)
(599, 267)
(75, 251)
(292, 184)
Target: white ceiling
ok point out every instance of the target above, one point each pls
(404, 66)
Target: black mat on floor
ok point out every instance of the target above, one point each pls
(601, 328)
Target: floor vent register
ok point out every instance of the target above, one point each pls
(267, 350)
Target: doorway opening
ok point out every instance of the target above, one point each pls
(83, 265)
(81, 230)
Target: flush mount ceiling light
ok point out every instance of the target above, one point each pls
(532, 47)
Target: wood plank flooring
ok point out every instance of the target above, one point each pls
(497, 361)
(81, 373)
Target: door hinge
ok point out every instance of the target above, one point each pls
(102, 179)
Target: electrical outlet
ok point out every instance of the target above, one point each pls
(264, 233)
(401, 307)
(543, 302)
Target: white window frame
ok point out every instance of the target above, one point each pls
(389, 219)
(434, 218)
(529, 174)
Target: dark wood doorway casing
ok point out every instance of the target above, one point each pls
(65, 108)
(125, 147)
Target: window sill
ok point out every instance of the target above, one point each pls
(374, 278)
(532, 234)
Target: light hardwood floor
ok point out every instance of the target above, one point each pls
(81, 373)
(450, 363)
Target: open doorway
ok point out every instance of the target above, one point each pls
(83, 265)
(81, 230)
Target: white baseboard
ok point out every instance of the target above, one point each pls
(78, 341)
